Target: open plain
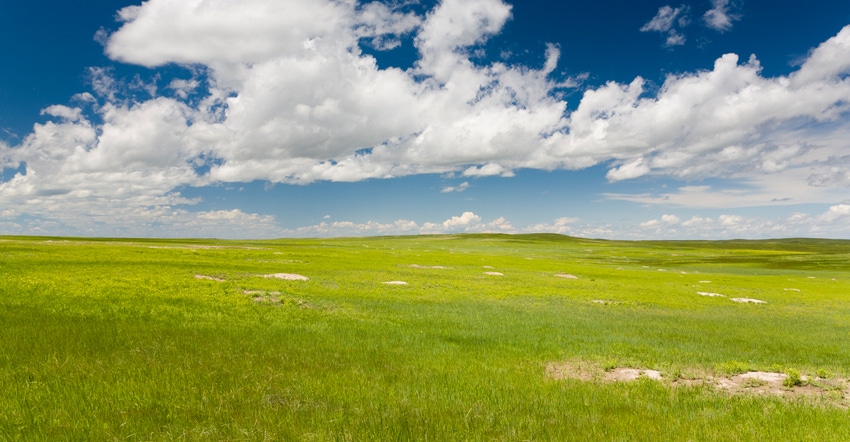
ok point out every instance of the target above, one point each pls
(455, 337)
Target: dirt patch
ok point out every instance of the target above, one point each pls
(286, 276)
(709, 294)
(749, 300)
(630, 374)
(417, 266)
(566, 276)
(494, 273)
(395, 283)
(259, 292)
(834, 391)
(605, 302)
(209, 278)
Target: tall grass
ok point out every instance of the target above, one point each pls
(117, 339)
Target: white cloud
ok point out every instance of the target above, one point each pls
(460, 188)
(720, 17)
(830, 224)
(667, 20)
(467, 222)
(670, 219)
(666, 222)
(183, 87)
(289, 97)
(464, 220)
(632, 169)
(64, 112)
(564, 226)
(840, 211)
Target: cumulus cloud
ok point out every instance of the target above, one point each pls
(669, 20)
(467, 222)
(460, 188)
(454, 223)
(831, 223)
(286, 95)
(564, 225)
(828, 224)
(720, 17)
(64, 112)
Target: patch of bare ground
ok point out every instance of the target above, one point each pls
(494, 274)
(748, 300)
(417, 266)
(209, 278)
(203, 247)
(395, 283)
(605, 301)
(286, 276)
(833, 391)
(275, 298)
(566, 276)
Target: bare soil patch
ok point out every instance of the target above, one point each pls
(417, 266)
(833, 391)
(395, 283)
(749, 300)
(209, 278)
(494, 273)
(566, 276)
(605, 302)
(286, 276)
(630, 374)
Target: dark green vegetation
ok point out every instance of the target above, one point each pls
(120, 339)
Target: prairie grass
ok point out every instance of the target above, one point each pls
(118, 339)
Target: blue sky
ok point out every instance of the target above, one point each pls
(271, 118)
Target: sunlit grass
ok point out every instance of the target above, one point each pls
(118, 339)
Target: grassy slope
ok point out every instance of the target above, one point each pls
(115, 339)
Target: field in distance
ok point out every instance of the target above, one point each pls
(450, 337)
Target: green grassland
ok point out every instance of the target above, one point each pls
(122, 340)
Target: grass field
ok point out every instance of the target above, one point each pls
(187, 340)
